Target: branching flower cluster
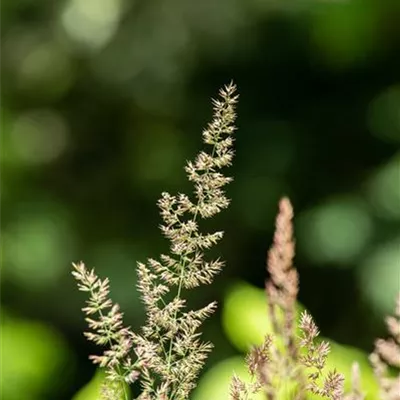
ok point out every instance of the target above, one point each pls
(288, 365)
(387, 354)
(168, 353)
(170, 335)
(107, 330)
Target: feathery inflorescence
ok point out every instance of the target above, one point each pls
(288, 365)
(285, 365)
(168, 352)
(386, 355)
(170, 339)
(107, 330)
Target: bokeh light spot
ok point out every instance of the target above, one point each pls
(43, 69)
(38, 137)
(244, 316)
(91, 22)
(33, 356)
(37, 246)
(384, 190)
(379, 277)
(337, 231)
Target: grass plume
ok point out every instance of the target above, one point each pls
(167, 354)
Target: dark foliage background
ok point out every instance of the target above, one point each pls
(104, 100)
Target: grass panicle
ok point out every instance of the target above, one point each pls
(167, 354)
(289, 365)
(168, 351)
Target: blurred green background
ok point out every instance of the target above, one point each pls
(103, 101)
